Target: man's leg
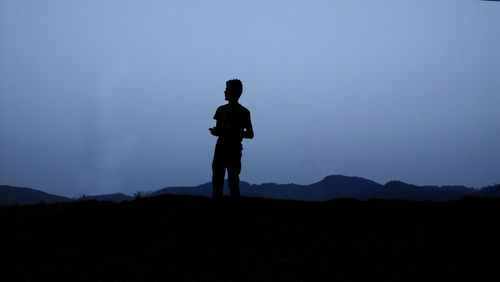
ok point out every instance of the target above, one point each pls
(233, 173)
(218, 172)
(217, 181)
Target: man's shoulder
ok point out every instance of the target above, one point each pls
(221, 108)
(243, 109)
(240, 108)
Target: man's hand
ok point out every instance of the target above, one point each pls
(213, 131)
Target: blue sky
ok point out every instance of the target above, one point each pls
(118, 96)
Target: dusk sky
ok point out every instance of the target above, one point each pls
(117, 96)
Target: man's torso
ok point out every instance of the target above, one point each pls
(231, 122)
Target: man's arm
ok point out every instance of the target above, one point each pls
(214, 131)
(248, 132)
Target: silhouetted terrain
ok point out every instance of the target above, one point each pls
(331, 187)
(185, 238)
(339, 186)
(19, 195)
(491, 191)
(117, 197)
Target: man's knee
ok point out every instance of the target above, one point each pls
(218, 170)
(233, 181)
(217, 181)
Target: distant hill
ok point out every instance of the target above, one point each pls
(338, 186)
(401, 190)
(10, 195)
(329, 188)
(490, 191)
(116, 197)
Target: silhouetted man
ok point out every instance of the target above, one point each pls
(233, 124)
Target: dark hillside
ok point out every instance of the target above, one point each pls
(10, 195)
(116, 197)
(491, 191)
(337, 186)
(186, 238)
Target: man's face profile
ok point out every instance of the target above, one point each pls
(228, 93)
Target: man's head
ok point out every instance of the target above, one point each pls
(233, 91)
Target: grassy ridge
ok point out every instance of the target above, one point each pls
(183, 238)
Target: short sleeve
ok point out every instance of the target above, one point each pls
(216, 115)
(247, 118)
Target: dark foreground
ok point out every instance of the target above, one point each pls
(182, 238)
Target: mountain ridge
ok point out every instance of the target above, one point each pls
(329, 188)
(11, 195)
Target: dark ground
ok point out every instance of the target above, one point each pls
(183, 238)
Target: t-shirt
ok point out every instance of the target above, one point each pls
(231, 121)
